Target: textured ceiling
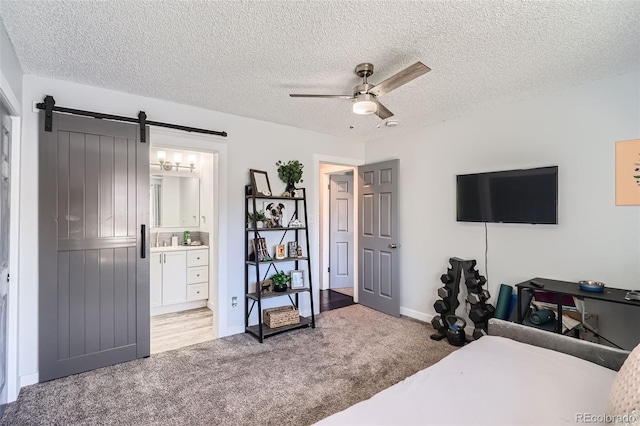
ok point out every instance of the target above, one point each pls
(244, 58)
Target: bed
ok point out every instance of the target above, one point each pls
(499, 380)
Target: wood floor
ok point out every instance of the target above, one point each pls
(330, 299)
(179, 329)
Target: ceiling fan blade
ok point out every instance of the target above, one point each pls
(383, 112)
(397, 80)
(321, 96)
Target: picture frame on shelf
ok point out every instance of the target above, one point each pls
(292, 249)
(260, 249)
(276, 214)
(280, 251)
(260, 182)
(297, 279)
(266, 286)
(295, 223)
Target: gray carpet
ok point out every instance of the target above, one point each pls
(296, 378)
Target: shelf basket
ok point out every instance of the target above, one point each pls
(281, 316)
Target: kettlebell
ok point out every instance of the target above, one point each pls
(455, 332)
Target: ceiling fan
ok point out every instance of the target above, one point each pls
(365, 96)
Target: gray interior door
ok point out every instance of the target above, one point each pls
(5, 209)
(377, 237)
(341, 231)
(93, 251)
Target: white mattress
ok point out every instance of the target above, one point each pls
(494, 381)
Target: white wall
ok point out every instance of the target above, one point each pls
(251, 144)
(575, 129)
(10, 71)
(10, 97)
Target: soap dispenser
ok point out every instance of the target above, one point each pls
(174, 240)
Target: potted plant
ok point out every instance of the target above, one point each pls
(290, 173)
(280, 281)
(260, 218)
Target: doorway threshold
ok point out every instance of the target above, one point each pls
(179, 329)
(330, 300)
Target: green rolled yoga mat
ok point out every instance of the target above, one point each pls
(542, 317)
(504, 300)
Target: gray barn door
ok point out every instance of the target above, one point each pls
(94, 273)
(5, 211)
(341, 231)
(378, 237)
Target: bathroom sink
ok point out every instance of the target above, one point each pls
(176, 248)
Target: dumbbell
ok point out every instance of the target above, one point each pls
(444, 292)
(491, 310)
(474, 298)
(438, 323)
(471, 283)
(441, 306)
(446, 278)
(478, 333)
(486, 295)
(478, 315)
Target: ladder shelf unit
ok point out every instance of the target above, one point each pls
(260, 270)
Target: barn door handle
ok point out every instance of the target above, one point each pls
(143, 246)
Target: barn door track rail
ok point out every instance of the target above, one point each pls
(49, 105)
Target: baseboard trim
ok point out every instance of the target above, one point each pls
(420, 316)
(230, 331)
(29, 379)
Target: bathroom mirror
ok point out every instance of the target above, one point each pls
(175, 201)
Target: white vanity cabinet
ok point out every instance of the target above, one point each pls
(178, 275)
(197, 274)
(174, 280)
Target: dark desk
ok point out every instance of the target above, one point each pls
(562, 288)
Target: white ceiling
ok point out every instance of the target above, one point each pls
(244, 58)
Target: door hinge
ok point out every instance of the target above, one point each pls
(8, 275)
(329, 269)
(329, 187)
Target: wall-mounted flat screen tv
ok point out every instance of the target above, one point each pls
(511, 196)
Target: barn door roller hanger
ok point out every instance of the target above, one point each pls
(49, 106)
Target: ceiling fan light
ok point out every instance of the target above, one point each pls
(364, 104)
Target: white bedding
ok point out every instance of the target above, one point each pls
(494, 381)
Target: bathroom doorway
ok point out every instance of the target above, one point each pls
(185, 266)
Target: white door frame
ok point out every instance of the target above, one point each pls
(167, 138)
(323, 215)
(11, 102)
(325, 221)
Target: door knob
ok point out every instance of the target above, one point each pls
(394, 245)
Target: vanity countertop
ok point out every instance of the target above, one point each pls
(177, 248)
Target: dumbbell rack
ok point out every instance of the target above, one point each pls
(448, 303)
(480, 311)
